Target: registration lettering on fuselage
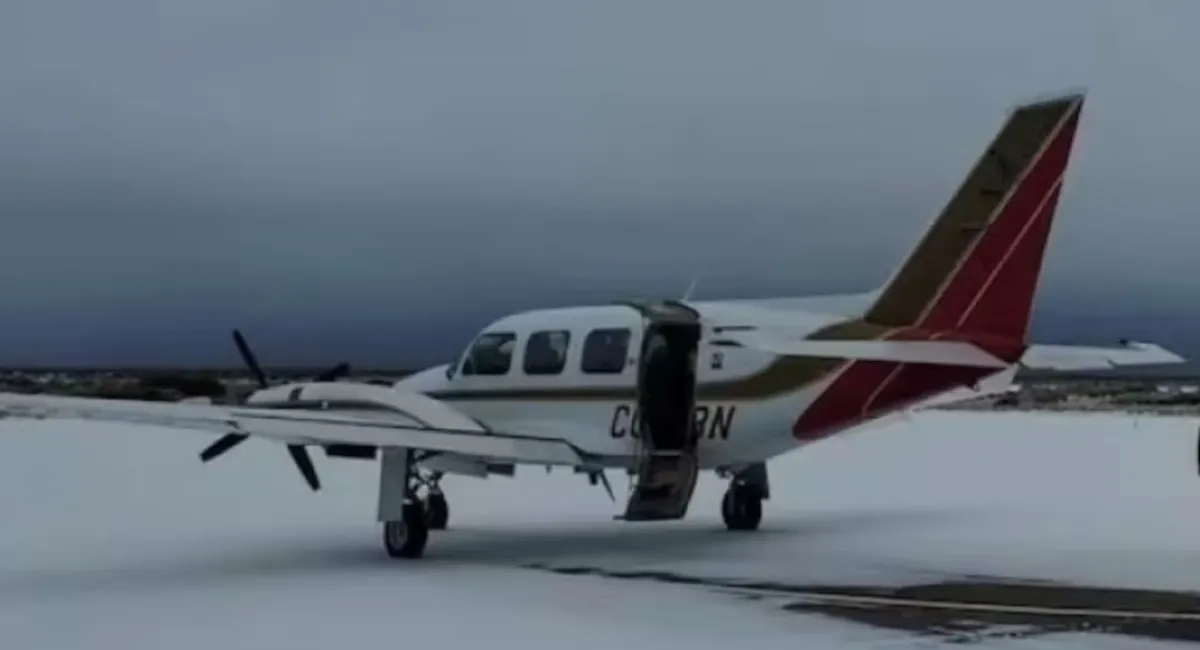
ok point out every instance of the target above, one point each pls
(710, 421)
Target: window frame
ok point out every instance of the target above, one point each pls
(470, 354)
(583, 356)
(545, 371)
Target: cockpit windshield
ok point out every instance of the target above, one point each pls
(491, 354)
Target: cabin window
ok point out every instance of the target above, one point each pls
(491, 354)
(605, 351)
(546, 352)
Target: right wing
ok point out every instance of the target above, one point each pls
(441, 429)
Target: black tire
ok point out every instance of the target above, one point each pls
(437, 511)
(741, 508)
(407, 539)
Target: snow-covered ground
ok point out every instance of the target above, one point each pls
(117, 536)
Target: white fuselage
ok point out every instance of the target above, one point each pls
(596, 412)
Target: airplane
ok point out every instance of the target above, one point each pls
(663, 389)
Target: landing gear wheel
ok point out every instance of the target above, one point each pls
(437, 511)
(741, 507)
(407, 538)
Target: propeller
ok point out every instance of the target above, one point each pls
(298, 453)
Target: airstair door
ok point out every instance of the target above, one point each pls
(665, 475)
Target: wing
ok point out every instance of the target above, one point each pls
(439, 429)
(1078, 357)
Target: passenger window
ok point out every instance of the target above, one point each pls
(546, 352)
(491, 354)
(604, 351)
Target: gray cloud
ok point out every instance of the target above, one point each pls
(400, 164)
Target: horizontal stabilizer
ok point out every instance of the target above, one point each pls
(945, 353)
(1078, 357)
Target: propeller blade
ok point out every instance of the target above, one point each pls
(250, 360)
(305, 465)
(333, 374)
(222, 445)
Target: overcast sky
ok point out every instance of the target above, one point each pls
(376, 179)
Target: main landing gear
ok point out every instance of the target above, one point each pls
(407, 537)
(741, 507)
(407, 518)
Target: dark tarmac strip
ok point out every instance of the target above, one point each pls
(965, 611)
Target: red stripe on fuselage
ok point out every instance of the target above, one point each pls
(864, 390)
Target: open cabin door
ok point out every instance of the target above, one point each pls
(665, 474)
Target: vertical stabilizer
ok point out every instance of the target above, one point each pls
(977, 267)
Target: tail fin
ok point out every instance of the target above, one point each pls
(976, 269)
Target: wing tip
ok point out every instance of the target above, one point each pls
(1160, 352)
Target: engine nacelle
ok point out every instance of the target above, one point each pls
(386, 402)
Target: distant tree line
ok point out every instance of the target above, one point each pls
(185, 385)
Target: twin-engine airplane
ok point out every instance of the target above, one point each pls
(666, 388)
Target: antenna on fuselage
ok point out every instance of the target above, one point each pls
(687, 295)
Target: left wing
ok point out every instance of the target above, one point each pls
(438, 428)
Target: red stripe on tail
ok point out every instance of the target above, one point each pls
(992, 290)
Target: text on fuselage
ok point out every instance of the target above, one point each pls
(708, 421)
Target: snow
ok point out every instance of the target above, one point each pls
(1074, 497)
(118, 536)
